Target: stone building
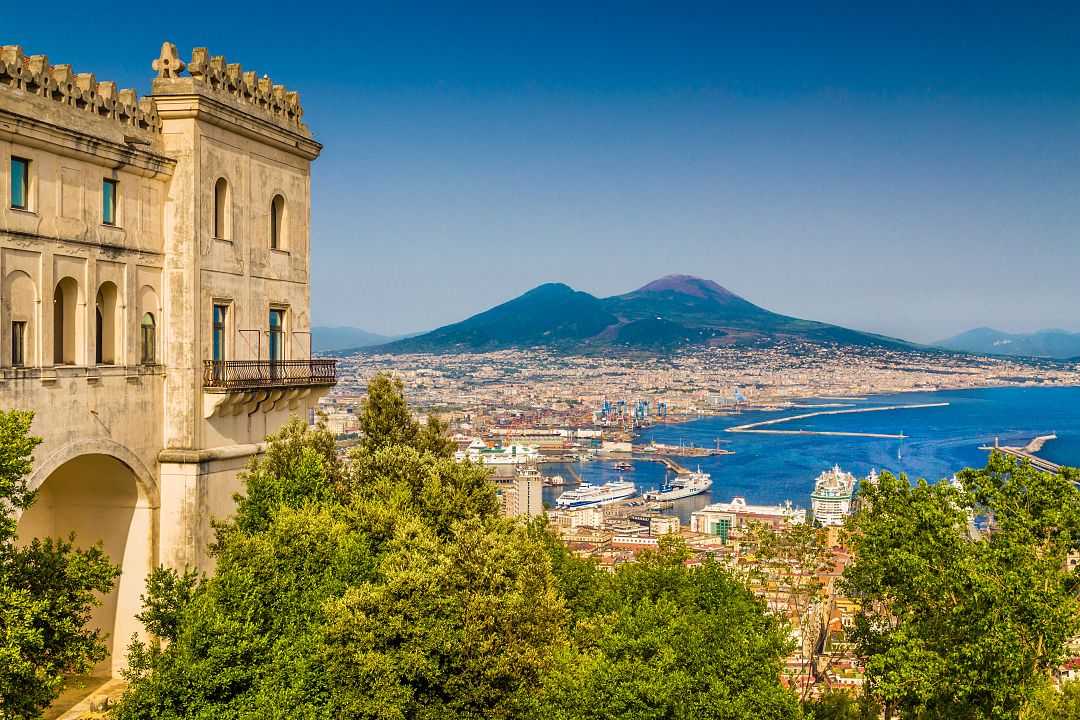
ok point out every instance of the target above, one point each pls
(154, 270)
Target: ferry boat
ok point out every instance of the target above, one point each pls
(831, 498)
(588, 495)
(683, 486)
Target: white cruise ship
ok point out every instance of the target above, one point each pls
(683, 486)
(831, 499)
(595, 495)
(515, 454)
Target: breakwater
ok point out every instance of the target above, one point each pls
(760, 427)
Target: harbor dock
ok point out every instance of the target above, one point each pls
(760, 427)
(1028, 452)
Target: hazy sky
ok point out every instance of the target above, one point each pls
(913, 171)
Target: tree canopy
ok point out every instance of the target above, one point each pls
(47, 590)
(388, 587)
(967, 601)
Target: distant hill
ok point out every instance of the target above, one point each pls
(674, 311)
(327, 339)
(1051, 344)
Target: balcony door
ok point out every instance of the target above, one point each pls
(277, 341)
(218, 341)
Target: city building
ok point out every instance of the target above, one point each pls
(521, 494)
(154, 269)
(663, 525)
(722, 518)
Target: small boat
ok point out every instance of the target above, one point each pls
(624, 466)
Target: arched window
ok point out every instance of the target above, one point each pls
(65, 308)
(222, 224)
(108, 331)
(148, 339)
(149, 311)
(277, 223)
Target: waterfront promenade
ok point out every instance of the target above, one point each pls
(760, 427)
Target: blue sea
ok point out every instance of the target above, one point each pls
(769, 469)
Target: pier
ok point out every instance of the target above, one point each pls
(759, 427)
(1028, 452)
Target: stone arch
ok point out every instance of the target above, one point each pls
(20, 309)
(85, 489)
(108, 340)
(97, 446)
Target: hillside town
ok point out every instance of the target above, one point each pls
(526, 414)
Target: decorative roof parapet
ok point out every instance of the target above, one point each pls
(81, 91)
(217, 75)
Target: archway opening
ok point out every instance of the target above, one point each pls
(98, 498)
(65, 309)
(108, 331)
(277, 223)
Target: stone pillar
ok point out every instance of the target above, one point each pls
(180, 521)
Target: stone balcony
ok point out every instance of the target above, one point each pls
(234, 386)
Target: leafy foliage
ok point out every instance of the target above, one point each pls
(385, 420)
(958, 622)
(389, 588)
(1050, 703)
(47, 590)
(793, 563)
(660, 640)
(840, 705)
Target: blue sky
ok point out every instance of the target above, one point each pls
(912, 170)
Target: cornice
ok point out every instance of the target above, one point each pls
(207, 108)
(35, 132)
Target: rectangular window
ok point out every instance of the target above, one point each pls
(108, 201)
(18, 343)
(220, 316)
(20, 183)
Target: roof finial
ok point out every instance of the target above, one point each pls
(168, 65)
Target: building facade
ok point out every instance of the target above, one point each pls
(154, 300)
(723, 519)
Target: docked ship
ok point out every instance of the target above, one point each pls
(831, 498)
(588, 495)
(515, 454)
(683, 486)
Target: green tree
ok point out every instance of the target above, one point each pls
(957, 622)
(47, 590)
(793, 563)
(1051, 703)
(840, 705)
(660, 640)
(385, 420)
(384, 588)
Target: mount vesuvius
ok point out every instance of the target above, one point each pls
(672, 312)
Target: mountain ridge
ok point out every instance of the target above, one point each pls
(670, 312)
(1051, 344)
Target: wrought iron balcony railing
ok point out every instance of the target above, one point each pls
(260, 374)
